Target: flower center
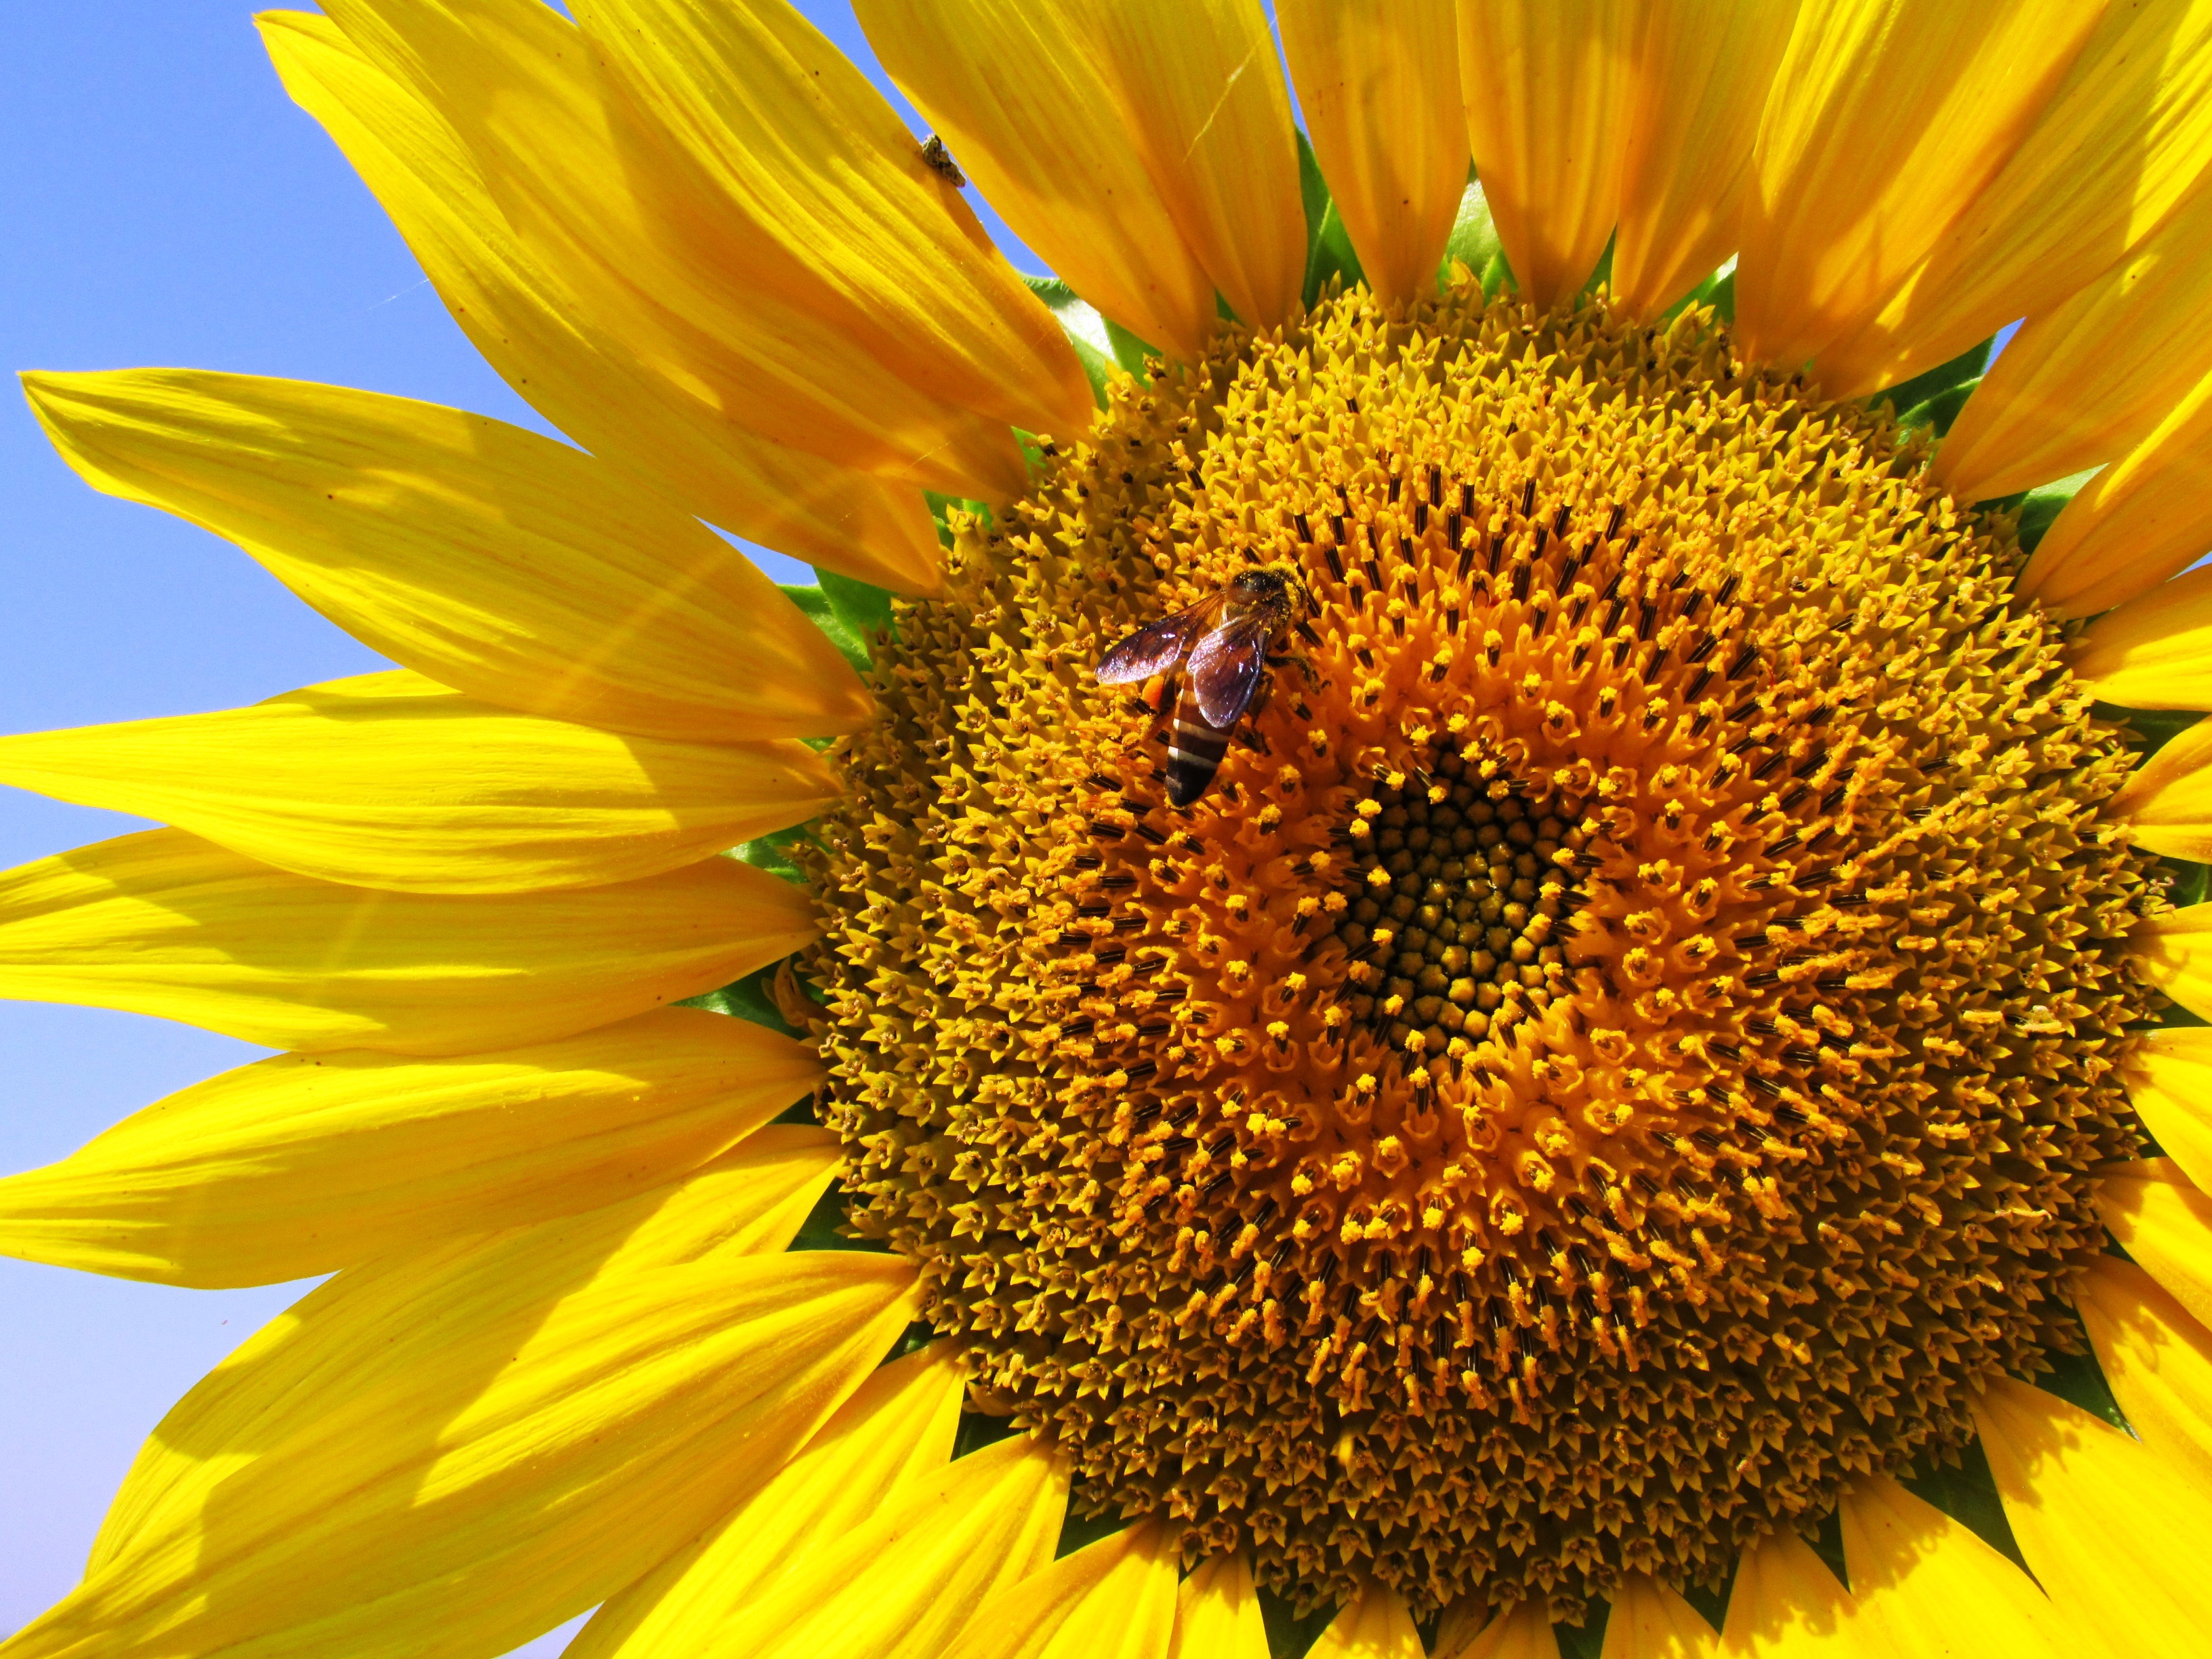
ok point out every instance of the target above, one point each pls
(1458, 902)
(1615, 1051)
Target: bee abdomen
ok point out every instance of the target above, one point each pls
(1194, 752)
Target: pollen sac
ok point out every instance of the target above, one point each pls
(1619, 1047)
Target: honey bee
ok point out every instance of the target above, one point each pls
(1223, 640)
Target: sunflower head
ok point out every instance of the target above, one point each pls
(1646, 992)
(1427, 928)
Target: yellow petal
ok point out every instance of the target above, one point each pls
(1218, 1613)
(391, 780)
(752, 1201)
(1650, 1621)
(2154, 651)
(845, 218)
(297, 1166)
(2123, 143)
(1380, 89)
(1703, 68)
(1546, 84)
(2165, 805)
(1522, 1633)
(900, 1582)
(1115, 1599)
(509, 1462)
(1207, 104)
(2156, 1359)
(593, 386)
(895, 1432)
(2170, 1087)
(1923, 1583)
(164, 923)
(2083, 382)
(1887, 119)
(1026, 96)
(606, 202)
(496, 561)
(2145, 518)
(2111, 1530)
(2164, 1225)
(1785, 1603)
(2174, 952)
(277, 1385)
(1374, 1625)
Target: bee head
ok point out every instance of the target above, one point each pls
(1273, 586)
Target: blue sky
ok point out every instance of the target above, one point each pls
(165, 204)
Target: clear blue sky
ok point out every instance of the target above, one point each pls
(164, 204)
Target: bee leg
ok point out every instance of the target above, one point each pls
(1248, 733)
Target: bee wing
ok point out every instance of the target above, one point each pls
(1225, 667)
(1155, 647)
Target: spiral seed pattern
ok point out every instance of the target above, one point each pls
(1620, 1048)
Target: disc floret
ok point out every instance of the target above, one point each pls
(1618, 1048)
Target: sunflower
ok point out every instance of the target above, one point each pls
(1619, 1068)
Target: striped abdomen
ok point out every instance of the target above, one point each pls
(1194, 752)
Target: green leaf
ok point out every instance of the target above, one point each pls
(914, 1338)
(2046, 502)
(1288, 1636)
(1718, 291)
(1910, 396)
(1080, 1531)
(1132, 354)
(2173, 1014)
(1828, 1545)
(746, 998)
(1936, 414)
(1711, 1605)
(1086, 331)
(1604, 272)
(823, 615)
(2185, 881)
(1328, 245)
(1587, 1639)
(941, 506)
(823, 1230)
(863, 609)
(773, 853)
(1474, 242)
(976, 1430)
(1722, 296)
(2078, 1379)
(2149, 729)
(1968, 1494)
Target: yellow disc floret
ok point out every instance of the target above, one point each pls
(1620, 1046)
